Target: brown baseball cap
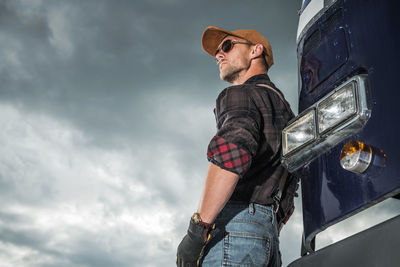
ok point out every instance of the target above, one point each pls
(213, 36)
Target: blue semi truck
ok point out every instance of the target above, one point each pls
(344, 144)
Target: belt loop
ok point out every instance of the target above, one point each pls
(251, 208)
(273, 213)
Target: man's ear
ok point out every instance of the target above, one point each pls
(257, 51)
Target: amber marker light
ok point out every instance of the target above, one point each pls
(356, 156)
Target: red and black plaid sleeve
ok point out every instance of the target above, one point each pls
(228, 156)
(238, 131)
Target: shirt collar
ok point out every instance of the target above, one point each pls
(259, 78)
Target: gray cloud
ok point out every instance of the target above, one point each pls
(95, 63)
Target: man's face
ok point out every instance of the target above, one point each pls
(235, 61)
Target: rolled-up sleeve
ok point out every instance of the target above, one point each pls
(238, 131)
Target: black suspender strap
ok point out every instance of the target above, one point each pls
(279, 95)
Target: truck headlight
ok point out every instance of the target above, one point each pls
(301, 132)
(340, 114)
(337, 108)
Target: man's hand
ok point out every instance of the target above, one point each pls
(191, 246)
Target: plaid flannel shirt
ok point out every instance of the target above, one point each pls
(250, 120)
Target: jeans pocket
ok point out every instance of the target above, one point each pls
(244, 249)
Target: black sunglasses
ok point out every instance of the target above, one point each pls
(227, 45)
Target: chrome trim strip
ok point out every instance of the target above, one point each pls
(327, 5)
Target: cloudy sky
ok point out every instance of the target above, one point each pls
(106, 113)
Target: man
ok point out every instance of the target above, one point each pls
(235, 224)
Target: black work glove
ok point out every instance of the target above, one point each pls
(191, 246)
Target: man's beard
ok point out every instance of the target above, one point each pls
(230, 75)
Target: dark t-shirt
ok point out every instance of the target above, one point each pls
(250, 119)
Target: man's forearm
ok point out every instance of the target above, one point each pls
(218, 188)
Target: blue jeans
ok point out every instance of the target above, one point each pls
(248, 236)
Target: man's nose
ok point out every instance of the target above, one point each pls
(219, 56)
